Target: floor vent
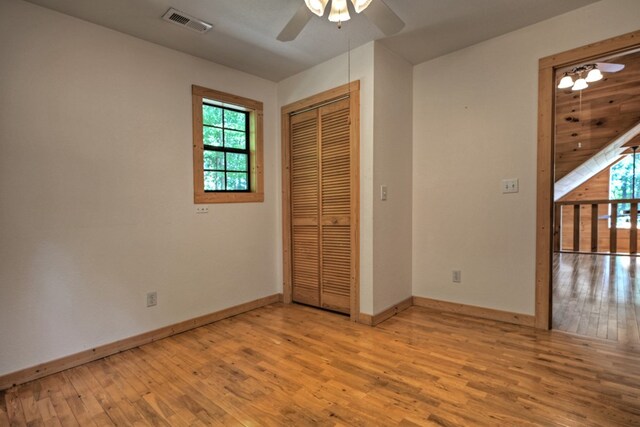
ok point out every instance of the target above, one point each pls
(187, 21)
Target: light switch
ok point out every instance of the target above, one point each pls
(383, 192)
(510, 185)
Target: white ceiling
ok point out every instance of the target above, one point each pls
(244, 32)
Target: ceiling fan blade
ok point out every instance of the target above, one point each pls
(296, 24)
(383, 17)
(609, 68)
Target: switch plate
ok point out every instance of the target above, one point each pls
(383, 192)
(202, 209)
(510, 185)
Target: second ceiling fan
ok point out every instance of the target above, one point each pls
(376, 11)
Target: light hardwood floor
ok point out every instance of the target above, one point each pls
(597, 296)
(294, 365)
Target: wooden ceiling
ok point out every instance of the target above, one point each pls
(610, 107)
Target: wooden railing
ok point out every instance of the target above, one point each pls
(596, 218)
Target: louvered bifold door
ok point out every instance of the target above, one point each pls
(335, 206)
(305, 208)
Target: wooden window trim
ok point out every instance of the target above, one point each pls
(255, 109)
(351, 90)
(545, 162)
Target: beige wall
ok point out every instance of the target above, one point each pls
(325, 76)
(392, 167)
(474, 115)
(96, 193)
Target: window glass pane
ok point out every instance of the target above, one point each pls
(235, 120)
(237, 162)
(237, 181)
(623, 186)
(212, 115)
(213, 160)
(212, 136)
(621, 179)
(213, 181)
(233, 139)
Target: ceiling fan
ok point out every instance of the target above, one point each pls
(376, 11)
(593, 74)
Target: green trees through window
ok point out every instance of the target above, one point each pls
(226, 148)
(621, 186)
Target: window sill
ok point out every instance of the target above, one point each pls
(229, 198)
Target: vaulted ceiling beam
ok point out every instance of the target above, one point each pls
(599, 161)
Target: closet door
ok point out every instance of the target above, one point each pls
(320, 200)
(305, 208)
(335, 206)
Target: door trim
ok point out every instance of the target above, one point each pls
(545, 162)
(352, 91)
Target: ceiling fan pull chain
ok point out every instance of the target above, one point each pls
(349, 61)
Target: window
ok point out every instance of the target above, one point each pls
(621, 186)
(227, 147)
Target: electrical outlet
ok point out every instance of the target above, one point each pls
(202, 209)
(456, 276)
(152, 299)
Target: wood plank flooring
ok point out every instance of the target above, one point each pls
(597, 296)
(294, 365)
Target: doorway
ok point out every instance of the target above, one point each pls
(549, 216)
(597, 115)
(320, 181)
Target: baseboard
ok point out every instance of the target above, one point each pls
(376, 319)
(73, 360)
(481, 312)
(67, 362)
(365, 319)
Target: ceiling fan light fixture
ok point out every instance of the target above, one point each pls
(317, 6)
(360, 5)
(566, 82)
(339, 11)
(594, 75)
(580, 84)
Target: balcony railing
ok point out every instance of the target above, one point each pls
(592, 226)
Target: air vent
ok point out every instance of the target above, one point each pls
(187, 21)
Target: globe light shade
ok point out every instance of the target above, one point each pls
(317, 6)
(339, 11)
(594, 75)
(580, 84)
(360, 5)
(566, 82)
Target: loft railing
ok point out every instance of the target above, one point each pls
(571, 231)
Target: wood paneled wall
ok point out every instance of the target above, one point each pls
(596, 188)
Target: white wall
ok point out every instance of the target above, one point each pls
(329, 75)
(475, 115)
(392, 166)
(96, 193)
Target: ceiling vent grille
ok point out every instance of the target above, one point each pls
(187, 21)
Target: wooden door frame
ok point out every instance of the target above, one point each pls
(351, 90)
(545, 162)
